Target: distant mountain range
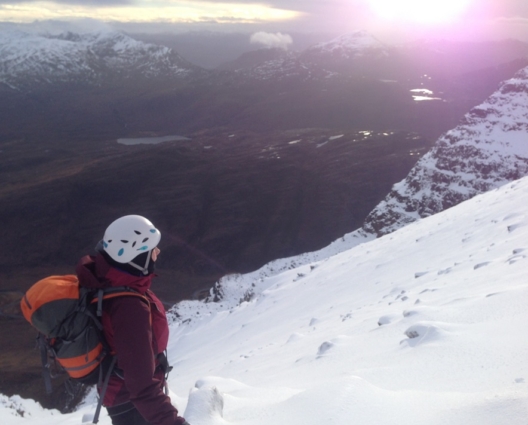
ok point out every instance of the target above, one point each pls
(350, 46)
(108, 85)
(360, 55)
(29, 60)
(314, 62)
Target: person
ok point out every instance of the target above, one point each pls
(135, 328)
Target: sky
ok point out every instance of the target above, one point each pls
(386, 19)
(426, 325)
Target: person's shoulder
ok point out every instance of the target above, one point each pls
(127, 303)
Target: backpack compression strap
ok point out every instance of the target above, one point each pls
(105, 294)
(104, 387)
(46, 373)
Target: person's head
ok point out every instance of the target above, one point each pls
(132, 240)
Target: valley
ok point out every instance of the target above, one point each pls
(225, 203)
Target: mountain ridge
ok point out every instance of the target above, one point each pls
(486, 150)
(90, 58)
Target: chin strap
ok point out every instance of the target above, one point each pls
(144, 269)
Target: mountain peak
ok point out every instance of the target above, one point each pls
(94, 57)
(352, 44)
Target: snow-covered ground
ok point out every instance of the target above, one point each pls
(426, 325)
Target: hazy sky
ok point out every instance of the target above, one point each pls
(386, 19)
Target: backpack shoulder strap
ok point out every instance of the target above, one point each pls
(114, 292)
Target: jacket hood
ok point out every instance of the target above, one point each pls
(95, 272)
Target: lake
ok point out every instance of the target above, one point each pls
(150, 140)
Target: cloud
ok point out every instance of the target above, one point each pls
(77, 2)
(54, 27)
(270, 40)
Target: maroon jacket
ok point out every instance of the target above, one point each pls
(137, 333)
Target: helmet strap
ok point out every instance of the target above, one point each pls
(144, 269)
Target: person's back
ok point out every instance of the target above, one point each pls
(135, 328)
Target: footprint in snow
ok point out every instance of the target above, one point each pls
(299, 276)
(422, 333)
(294, 337)
(401, 296)
(480, 265)
(314, 321)
(323, 348)
(511, 216)
(389, 318)
(345, 317)
(514, 227)
(428, 290)
(516, 257)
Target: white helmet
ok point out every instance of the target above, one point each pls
(129, 236)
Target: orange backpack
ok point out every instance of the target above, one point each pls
(67, 317)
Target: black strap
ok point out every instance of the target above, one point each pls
(166, 367)
(100, 294)
(104, 387)
(103, 293)
(46, 374)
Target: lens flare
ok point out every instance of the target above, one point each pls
(420, 11)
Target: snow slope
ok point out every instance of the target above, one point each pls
(426, 325)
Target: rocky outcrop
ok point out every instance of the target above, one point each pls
(488, 149)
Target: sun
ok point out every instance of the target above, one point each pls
(420, 11)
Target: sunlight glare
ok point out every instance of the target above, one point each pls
(420, 11)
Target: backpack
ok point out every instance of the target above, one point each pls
(67, 317)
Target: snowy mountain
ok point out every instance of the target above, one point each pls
(284, 67)
(448, 66)
(488, 149)
(344, 54)
(423, 326)
(255, 58)
(30, 59)
(349, 46)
